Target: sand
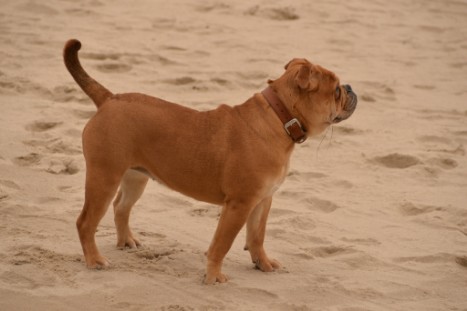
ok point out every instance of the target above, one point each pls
(373, 214)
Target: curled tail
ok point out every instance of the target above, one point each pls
(91, 87)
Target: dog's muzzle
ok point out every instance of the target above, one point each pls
(350, 105)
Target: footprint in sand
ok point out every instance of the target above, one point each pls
(433, 139)
(221, 81)
(320, 205)
(328, 251)
(4, 194)
(22, 281)
(181, 81)
(411, 209)
(9, 184)
(367, 98)
(74, 132)
(54, 145)
(396, 160)
(21, 85)
(250, 79)
(174, 48)
(424, 87)
(62, 167)
(444, 163)
(162, 60)
(299, 222)
(152, 254)
(259, 293)
(458, 65)
(462, 261)
(347, 130)
(443, 144)
(427, 259)
(195, 84)
(84, 114)
(205, 8)
(438, 114)
(157, 259)
(28, 160)
(153, 235)
(65, 94)
(277, 14)
(101, 56)
(296, 175)
(173, 307)
(42, 126)
(376, 90)
(114, 68)
(313, 203)
(206, 211)
(82, 11)
(45, 261)
(362, 241)
(121, 63)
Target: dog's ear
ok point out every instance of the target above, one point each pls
(307, 79)
(295, 60)
(288, 64)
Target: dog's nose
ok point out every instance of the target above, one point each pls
(348, 88)
(349, 106)
(352, 102)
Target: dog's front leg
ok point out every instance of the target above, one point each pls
(232, 219)
(256, 230)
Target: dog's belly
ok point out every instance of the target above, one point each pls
(193, 183)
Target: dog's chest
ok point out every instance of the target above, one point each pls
(277, 181)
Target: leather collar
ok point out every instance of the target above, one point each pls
(291, 125)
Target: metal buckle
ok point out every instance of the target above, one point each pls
(300, 139)
(290, 123)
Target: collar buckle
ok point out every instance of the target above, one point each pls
(294, 130)
(292, 126)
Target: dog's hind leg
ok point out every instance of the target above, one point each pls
(131, 189)
(99, 190)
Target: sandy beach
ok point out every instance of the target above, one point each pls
(372, 215)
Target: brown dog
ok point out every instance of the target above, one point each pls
(233, 156)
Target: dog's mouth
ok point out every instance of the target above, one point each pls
(349, 106)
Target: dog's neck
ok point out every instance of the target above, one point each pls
(291, 125)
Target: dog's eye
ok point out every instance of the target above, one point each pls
(337, 93)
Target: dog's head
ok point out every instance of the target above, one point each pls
(314, 95)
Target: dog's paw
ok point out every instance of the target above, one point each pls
(211, 279)
(267, 265)
(129, 242)
(98, 263)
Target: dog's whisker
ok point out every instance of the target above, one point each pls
(330, 138)
(321, 141)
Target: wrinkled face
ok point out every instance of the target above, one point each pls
(315, 95)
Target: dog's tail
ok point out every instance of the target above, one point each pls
(91, 87)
